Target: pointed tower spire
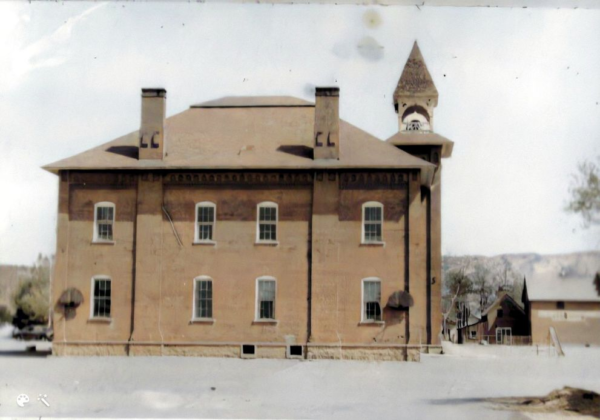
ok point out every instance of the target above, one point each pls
(415, 79)
(415, 92)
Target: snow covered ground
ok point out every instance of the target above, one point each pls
(445, 387)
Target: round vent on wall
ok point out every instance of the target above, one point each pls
(69, 300)
(400, 300)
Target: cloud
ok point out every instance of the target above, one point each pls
(48, 51)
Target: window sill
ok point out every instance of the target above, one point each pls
(372, 244)
(266, 243)
(103, 242)
(202, 321)
(371, 323)
(265, 322)
(99, 320)
(206, 243)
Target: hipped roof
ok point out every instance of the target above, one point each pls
(246, 133)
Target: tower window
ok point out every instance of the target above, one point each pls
(415, 118)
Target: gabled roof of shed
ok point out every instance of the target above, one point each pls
(553, 287)
(499, 300)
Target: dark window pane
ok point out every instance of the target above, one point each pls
(206, 214)
(267, 232)
(373, 311)
(266, 310)
(105, 230)
(267, 214)
(372, 214)
(205, 232)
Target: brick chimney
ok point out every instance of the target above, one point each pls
(327, 123)
(152, 130)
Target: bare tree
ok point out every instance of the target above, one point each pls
(505, 277)
(483, 285)
(457, 285)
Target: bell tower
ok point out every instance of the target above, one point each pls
(415, 96)
(415, 99)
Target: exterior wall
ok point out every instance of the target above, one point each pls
(418, 266)
(79, 258)
(427, 226)
(148, 266)
(577, 323)
(234, 263)
(436, 257)
(340, 262)
(512, 317)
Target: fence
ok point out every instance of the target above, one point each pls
(515, 340)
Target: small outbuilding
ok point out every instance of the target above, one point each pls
(569, 304)
(503, 322)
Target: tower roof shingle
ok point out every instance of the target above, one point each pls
(415, 80)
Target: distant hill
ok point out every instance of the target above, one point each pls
(579, 264)
(9, 280)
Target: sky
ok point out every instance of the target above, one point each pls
(519, 95)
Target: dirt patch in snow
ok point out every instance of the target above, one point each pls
(565, 400)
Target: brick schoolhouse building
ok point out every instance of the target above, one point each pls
(255, 227)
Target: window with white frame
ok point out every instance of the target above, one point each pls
(266, 290)
(504, 335)
(372, 222)
(371, 304)
(104, 220)
(101, 291)
(205, 221)
(203, 298)
(267, 222)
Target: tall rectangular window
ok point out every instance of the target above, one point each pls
(371, 300)
(205, 221)
(101, 298)
(104, 220)
(266, 299)
(203, 304)
(267, 222)
(372, 222)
